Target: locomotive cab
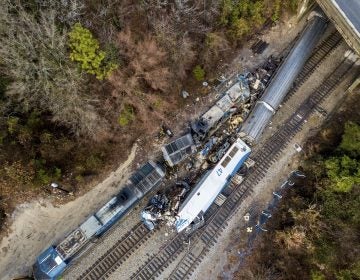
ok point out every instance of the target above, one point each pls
(49, 265)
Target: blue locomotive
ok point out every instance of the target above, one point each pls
(51, 263)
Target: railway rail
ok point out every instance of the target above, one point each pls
(118, 253)
(216, 216)
(265, 157)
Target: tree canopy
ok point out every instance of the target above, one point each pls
(85, 49)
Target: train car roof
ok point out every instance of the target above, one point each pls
(115, 205)
(211, 184)
(147, 176)
(179, 149)
(76, 239)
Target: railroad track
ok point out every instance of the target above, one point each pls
(267, 155)
(117, 254)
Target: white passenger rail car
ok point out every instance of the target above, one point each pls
(211, 184)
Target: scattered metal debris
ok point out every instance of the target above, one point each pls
(228, 104)
(297, 147)
(167, 130)
(219, 153)
(185, 94)
(163, 207)
(247, 217)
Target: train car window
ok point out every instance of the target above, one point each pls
(233, 151)
(226, 161)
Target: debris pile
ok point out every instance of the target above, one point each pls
(227, 105)
(163, 206)
(261, 77)
(211, 136)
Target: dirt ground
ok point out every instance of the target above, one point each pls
(37, 224)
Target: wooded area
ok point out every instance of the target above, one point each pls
(81, 80)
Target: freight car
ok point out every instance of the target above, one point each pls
(54, 260)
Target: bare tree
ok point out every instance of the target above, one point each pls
(33, 50)
(146, 63)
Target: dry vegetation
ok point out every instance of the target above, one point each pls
(60, 123)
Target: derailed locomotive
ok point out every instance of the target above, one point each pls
(51, 263)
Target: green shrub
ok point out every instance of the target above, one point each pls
(12, 124)
(43, 177)
(226, 9)
(292, 5)
(239, 29)
(277, 11)
(4, 82)
(157, 104)
(57, 174)
(126, 115)
(317, 275)
(85, 49)
(350, 274)
(351, 139)
(46, 137)
(25, 135)
(93, 162)
(34, 120)
(257, 13)
(199, 73)
(242, 17)
(79, 178)
(3, 135)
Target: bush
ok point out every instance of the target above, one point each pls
(317, 275)
(126, 115)
(351, 139)
(277, 11)
(242, 17)
(199, 73)
(85, 49)
(12, 124)
(4, 82)
(239, 29)
(18, 173)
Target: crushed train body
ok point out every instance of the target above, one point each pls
(238, 93)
